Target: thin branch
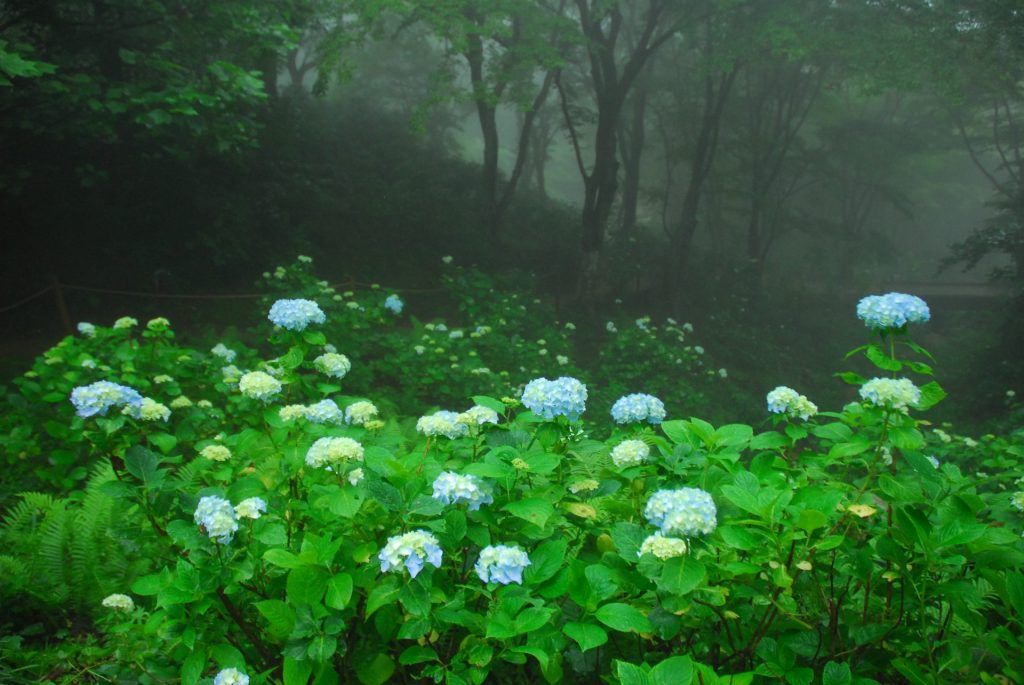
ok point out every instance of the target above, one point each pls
(572, 127)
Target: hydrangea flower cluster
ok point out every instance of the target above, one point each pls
(358, 413)
(100, 396)
(119, 602)
(158, 324)
(891, 393)
(477, 416)
(394, 304)
(87, 329)
(686, 511)
(442, 423)
(220, 350)
(630, 453)
(296, 315)
(333, 451)
(125, 322)
(892, 310)
(231, 676)
(663, 547)
(324, 412)
(217, 517)
(452, 488)
(259, 385)
(251, 508)
(1017, 500)
(149, 410)
(783, 400)
(333, 364)
(637, 408)
(501, 564)
(563, 396)
(216, 453)
(410, 551)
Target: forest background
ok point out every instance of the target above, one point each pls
(752, 167)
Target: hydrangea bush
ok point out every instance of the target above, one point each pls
(243, 541)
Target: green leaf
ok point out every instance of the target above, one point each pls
(768, 441)
(142, 463)
(537, 653)
(533, 618)
(631, 674)
(811, 519)
(376, 671)
(279, 615)
(851, 378)
(624, 618)
(836, 432)
(676, 431)
(292, 358)
(148, 585)
(586, 635)
(681, 575)
(534, 510)
(383, 594)
(306, 585)
(912, 672)
(314, 338)
(417, 655)
(296, 672)
(545, 562)
(282, 558)
(339, 591)
(165, 442)
(192, 667)
(836, 674)
(676, 670)
(322, 647)
(733, 435)
(881, 359)
(490, 403)
(931, 394)
(1015, 593)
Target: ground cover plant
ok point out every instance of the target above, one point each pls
(275, 512)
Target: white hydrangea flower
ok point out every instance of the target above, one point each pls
(630, 453)
(663, 547)
(119, 602)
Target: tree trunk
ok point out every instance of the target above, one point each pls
(632, 151)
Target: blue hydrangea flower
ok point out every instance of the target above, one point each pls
(501, 564)
(410, 551)
(217, 517)
(686, 511)
(231, 676)
(394, 303)
(100, 396)
(452, 488)
(564, 396)
(891, 393)
(295, 315)
(324, 411)
(637, 408)
(892, 310)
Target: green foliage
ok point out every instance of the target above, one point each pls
(841, 553)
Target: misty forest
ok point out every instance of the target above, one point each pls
(653, 342)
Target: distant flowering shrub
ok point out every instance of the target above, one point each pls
(358, 413)
(783, 400)
(216, 453)
(259, 385)
(563, 396)
(220, 350)
(892, 310)
(251, 508)
(452, 488)
(333, 364)
(410, 551)
(663, 547)
(87, 329)
(119, 602)
(686, 511)
(100, 396)
(333, 452)
(158, 324)
(231, 676)
(630, 453)
(394, 304)
(125, 322)
(582, 487)
(891, 393)
(217, 517)
(637, 408)
(442, 423)
(501, 564)
(296, 315)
